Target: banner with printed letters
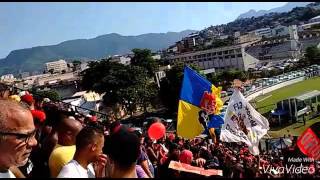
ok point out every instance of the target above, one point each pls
(242, 123)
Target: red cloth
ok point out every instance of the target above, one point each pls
(38, 115)
(186, 157)
(93, 118)
(171, 137)
(163, 159)
(27, 98)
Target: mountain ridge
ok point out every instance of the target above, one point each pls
(32, 59)
(285, 8)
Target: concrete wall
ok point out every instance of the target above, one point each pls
(272, 88)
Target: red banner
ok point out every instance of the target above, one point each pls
(193, 169)
(309, 144)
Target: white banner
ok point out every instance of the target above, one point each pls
(242, 123)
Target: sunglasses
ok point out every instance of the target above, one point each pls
(24, 137)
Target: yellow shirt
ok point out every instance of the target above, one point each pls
(59, 157)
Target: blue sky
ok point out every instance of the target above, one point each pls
(26, 25)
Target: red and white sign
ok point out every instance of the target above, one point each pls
(309, 144)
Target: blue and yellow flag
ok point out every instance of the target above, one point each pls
(194, 88)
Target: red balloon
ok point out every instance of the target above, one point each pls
(156, 130)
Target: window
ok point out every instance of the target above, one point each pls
(215, 53)
(209, 59)
(220, 53)
(233, 56)
(239, 55)
(225, 52)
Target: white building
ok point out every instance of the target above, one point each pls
(280, 31)
(161, 74)
(54, 78)
(263, 32)
(57, 66)
(121, 59)
(293, 32)
(223, 58)
(7, 78)
(248, 37)
(156, 57)
(172, 49)
(307, 26)
(314, 19)
(84, 66)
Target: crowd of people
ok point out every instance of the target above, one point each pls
(40, 138)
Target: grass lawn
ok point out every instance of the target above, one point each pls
(268, 101)
(295, 129)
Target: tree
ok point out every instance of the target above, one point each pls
(170, 86)
(76, 62)
(143, 58)
(51, 94)
(124, 85)
(312, 54)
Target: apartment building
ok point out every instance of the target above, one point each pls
(263, 32)
(54, 78)
(248, 37)
(57, 66)
(224, 58)
(121, 59)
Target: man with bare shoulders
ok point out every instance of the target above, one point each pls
(67, 130)
(17, 136)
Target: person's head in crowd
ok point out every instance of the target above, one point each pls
(38, 102)
(17, 134)
(27, 98)
(148, 142)
(171, 137)
(140, 136)
(89, 143)
(15, 98)
(38, 117)
(123, 148)
(4, 91)
(186, 157)
(204, 153)
(67, 129)
(195, 151)
(114, 127)
(52, 114)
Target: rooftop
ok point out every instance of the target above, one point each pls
(308, 95)
(315, 17)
